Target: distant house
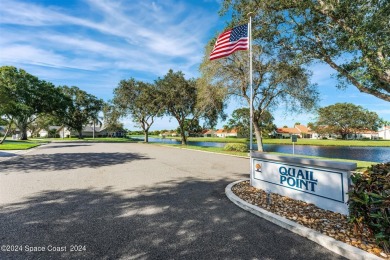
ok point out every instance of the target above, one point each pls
(226, 133)
(14, 132)
(168, 134)
(64, 132)
(3, 129)
(354, 135)
(384, 133)
(299, 130)
(88, 131)
(285, 132)
(45, 133)
(363, 134)
(304, 131)
(208, 133)
(120, 133)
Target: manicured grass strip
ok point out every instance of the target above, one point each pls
(207, 149)
(361, 165)
(90, 139)
(216, 139)
(108, 139)
(18, 145)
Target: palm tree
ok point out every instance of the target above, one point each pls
(384, 123)
(95, 120)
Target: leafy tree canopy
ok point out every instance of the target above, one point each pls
(188, 99)
(346, 118)
(111, 116)
(278, 81)
(24, 97)
(84, 108)
(191, 127)
(42, 122)
(140, 100)
(325, 30)
(240, 119)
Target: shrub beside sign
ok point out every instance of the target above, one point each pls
(323, 183)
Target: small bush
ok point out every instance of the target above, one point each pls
(237, 147)
(369, 202)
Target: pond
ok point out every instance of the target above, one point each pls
(372, 154)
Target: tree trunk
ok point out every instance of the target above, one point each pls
(23, 132)
(93, 134)
(146, 132)
(183, 135)
(80, 134)
(6, 133)
(259, 139)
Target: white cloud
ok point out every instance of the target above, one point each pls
(136, 35)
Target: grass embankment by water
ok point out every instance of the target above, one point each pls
(301, 141)
(90, 139)
(361, 165)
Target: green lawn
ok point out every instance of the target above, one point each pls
(18, 145)
(89, 139)
(216, 139)
(34, 142)
(361, 165)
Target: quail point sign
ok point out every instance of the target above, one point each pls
(323, 183)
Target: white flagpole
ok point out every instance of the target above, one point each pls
(250, 82)
(251, 95)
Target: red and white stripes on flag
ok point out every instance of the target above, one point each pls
(230, 41)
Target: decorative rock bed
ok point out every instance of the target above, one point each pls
(326, 222)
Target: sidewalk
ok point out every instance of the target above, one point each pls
(4, 155)
(8, 154)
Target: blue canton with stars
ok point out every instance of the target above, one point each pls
(239, 32)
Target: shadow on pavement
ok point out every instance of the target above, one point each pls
(189, 219)
(68, 161)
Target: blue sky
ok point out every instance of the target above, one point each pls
(93, 44)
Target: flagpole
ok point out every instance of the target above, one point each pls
(251, 95)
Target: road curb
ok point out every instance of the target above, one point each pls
(329, 243)
(188, 149)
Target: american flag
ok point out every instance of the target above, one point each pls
(231, 41)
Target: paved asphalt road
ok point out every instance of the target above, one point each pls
(133, 201)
